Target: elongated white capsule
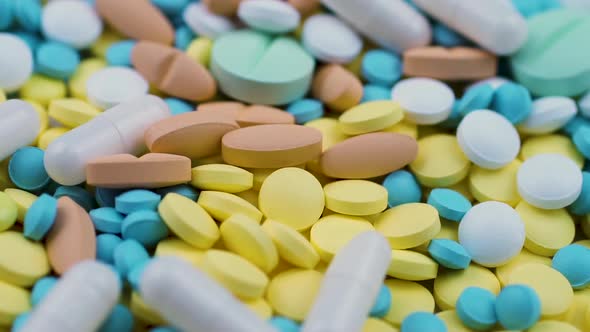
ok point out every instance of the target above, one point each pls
(79, 302)
(117, 130)
(192, 301)
(350, 285)
(19, 126)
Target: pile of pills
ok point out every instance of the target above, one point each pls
(294, 165)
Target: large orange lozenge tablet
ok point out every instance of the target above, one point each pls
(337, 87)
(259, 114)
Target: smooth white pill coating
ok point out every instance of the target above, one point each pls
(318, 39)
(113, 85)
(72, 22)
(495, 82)
(19, 126)
(192, 301)
(488, 139)
(495, 25)
(584, 105)
(425, 101)
(272, 16)
(350, 285)
(549, 181)
(393, 24)
(549, 114)
(16, 62)
(117, 130)
(492, 233)
(80, 301)
(204, 23)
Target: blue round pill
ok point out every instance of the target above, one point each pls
(382, 303)
(171, 7)
(78, 194)
(402, 188)
(144, 226)
(581, 205)
(105, 247)
(136, 200)
(26, 169)
(381, 67)
(56, 60)
(183, 37)
(40, 217)
(372, 92)
(444, 36)
(573, 261)
(476, 308)
(574, 124)
(305, 110)
(6, 15)
(41, 288)
(119, 53)
(19, 321)
(450, 204)
(449, 254)
(581, 140)
(476, 98)
(513, 101)
(181, 189)
(119, 320)
(518, 307)
(28, 14)
(129, 254)
(421, 322)
(107, 220)
(105, 197)
(284, 324)
(134, 275)
(178, 106)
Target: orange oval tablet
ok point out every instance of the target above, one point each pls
(223, 7)
(450, 64)
(71, 239)
(230, 109)
(337, 87)
(152, 59)
(153, 170)
(259, 114)
(271, 146)
(305, 7)
(369, 155)
(193, 134)
(138, 19)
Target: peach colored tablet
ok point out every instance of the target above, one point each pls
(259, 114)
(337, 87)
(231, 109)
(452, 64)
(305, 7)
(223, 7)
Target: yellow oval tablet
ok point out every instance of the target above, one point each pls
(546, 230)
(72, 112)
(408, 225)
(144, 312)
(355, 197)
(495, 184)
(333, 232)
(553, 326)
(260, 308)
(576, 314)
(251, 196)
(378, 325)
(292, 196)
(237, 274)
(188, 220)
(330, 129)
(410, 297)
(371, 116)
(8, 211)
(43, 89)
(23, 200)
(49, 136)
(200, 50)
(293, 292)
(87, 67)
(222, 205)
(178, 248)
(451, 283)
(452, 321)
(291, 245)
(411, 265)
(559, 144)
(22, 261)
(448, 230)
(221, 177)
(440, 161)
(524, 257)
(13, 302)
(404, 128)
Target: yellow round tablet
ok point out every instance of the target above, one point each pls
(553, 326)
(452, 321)
(178, 248)
(546, 230)
(8, 211)
(330, 129)
(222, 205)
(333, 232)
(23, 200)
(291, 245)
(355, 197)
(404, 128)
(144, 312)
(371, 116)
(448, 230)
(22, 261)
(293, 292)
(237, 274)
(440, 161)
(13, 302)
(221, 177)
(200, 50)
(451, 283)
(260, 308)
(408, 297)
(188, 220)
(577, 313)
(558, 144)
(408, 225)
(43, 89)
(378, 325)
(72, 112)
(411, 265)
(495, 184)
(49, 136)
(251, 196)
(524, 257)
(87, 67)
(292, 196)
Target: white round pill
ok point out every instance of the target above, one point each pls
(426, 101)
(549, 114)
(271, 16)
(72, 22)
(584, 104)
(488, 139)
(113, 85)
(549, 181)
(492, 233)
(16, 62)
(319, 39)
(204, 23)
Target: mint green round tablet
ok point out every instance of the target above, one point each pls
(260, 69)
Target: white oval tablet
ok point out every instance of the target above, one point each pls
(584, 104)
(426, 101)
(495, 82)
(492, 233)
(549, 114)
(205, 23)
(113, 85)
(488, 139)
(72, 22)
(331, 40)
(549, 181)
(271, 16)
(16, 62)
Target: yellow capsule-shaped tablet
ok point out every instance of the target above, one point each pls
(72, 112)
(22, 261)
(408, 225)
(221, 177)
(8, 211)
(188, 221)
(144, 312)
(241, 277)
(452, 321)
(222, 205)
(13, 302)
(333, 232)
(23, 200)
(293, 292)
(503, 272)
(449, 284)
(440, 161)
(558, 144)
(178, 248)
(577, 312)
(330, 129)
(49, 136)
(495, 184)
(43, 89)
(260, 307)
(77, 83)
(200, 50)
(371, 116)
(355, 197)
(411, 265)
(405, 128)
(410, 297)
(291, 245)
(378, 325)
(553, 326)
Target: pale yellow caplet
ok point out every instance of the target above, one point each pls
(558, 144)
(440, 161)
(333, 232)
(355, 197)
(221, 205)
(449, 284)
(411, 265)
(292, 246)
(22, 261)
(72, 112)
(200, 50)
(410, 297)
(495, 184)
(178, 248)
(144, 312)
(49, 136)
(371, 116)
(409, 225)
(43, 89)
(13, 302)
(23, 200)
(8, 211)
(503, 272)
(221, 177)
(292, 293)
(260, 307)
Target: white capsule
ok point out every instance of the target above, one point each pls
(549, 114)
(117, 130)
(72, 22)
(393, 24)
(318, 39)
(80, 301)
(350, 285)
(205, 23)
(192, 301)
(19, 126)
(495, 25)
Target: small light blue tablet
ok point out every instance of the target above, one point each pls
(26, 169)
(372, 92)
(420, 321)
(476, 98)
(518, 307)
(284, 324)
(105, 197)
(305, 110)
(136, 200)
(178, 106)
(582, 141)
(28, 14)
(145, 226)
(402, 188)
(476, 308)
(183, 37)
(107, 220)
(42, 288)
(445, 36)
(574, 124)
(56, 60)
(119, 320)
(40, 217)
(134, 276)
(382, 303)
(119, 53)
(450, 204)
(19, 321)
(6, 15)
(128, 254)
(105, 247)
(581, 205)
(573, 261)
(381, 67)
(449, 254)
(78, 195)
(513, 101)
(30, 38)
(181, 189)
